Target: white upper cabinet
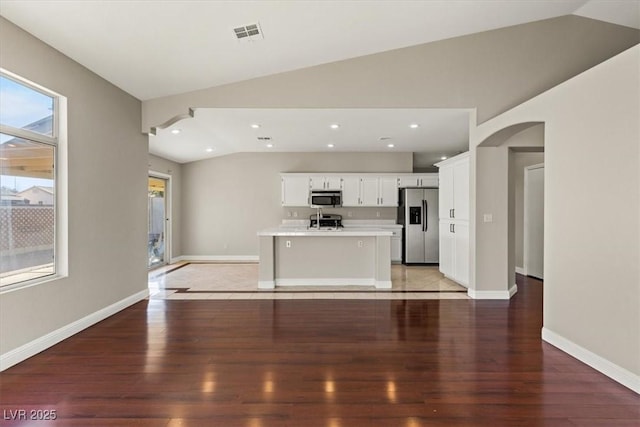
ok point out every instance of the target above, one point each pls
(322, 182)
(388, 191)
(429, 180)
(358, 190)
(295, 190)
(454, 188)
(461, 189)
(445, 205)
(351, 191)
(369, 191)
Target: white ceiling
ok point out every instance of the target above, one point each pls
(442, 132)
(152, 48)
(155, 48)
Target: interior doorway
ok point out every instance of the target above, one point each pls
(158, 253)
(534, 221)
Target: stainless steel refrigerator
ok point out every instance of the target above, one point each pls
(418, 213)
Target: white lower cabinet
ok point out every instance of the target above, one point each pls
(454, 251)
(396, 249)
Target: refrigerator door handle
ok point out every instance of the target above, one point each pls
(424, 215)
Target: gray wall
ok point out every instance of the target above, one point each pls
(167, 167)
(592, 159)
(493, 71)
(107, 205)
(520, 161)
(228, 199)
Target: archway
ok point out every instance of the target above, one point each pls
(499, 159)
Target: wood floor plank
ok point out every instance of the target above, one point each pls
(329, 363)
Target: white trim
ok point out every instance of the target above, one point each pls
(42, 343)
(328, 282)
(525, 218)
(600, 364)
(492, 294)
(266, 284)
(227, 258)
(383, 284)
(168, 214)
(453, 159)
(521, 270)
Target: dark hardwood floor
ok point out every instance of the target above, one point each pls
(307, 363)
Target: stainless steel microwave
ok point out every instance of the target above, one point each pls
(323, 198)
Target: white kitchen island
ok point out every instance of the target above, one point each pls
(299, 256)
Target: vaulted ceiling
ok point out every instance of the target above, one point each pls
(154, 49)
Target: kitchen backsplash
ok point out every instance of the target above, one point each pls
(347, 213)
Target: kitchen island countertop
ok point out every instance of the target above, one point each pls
(306, 231)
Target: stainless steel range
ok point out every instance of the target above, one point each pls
(327, 221)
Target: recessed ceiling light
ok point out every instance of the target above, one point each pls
(390, 145)
(334, 126)
(269, 145)
(209, 150)
(330, 145)
(414, 125)
(255, 126)
(443, 158)
(176, 131)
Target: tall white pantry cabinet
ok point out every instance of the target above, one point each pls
(454, 218)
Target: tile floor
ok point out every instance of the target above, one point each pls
(239, 281)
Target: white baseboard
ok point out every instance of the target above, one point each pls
(34, 347)
(327, 282)
(217, 258)
(383, 284)
(475, 294)
(613, 371)
(266, 284)
(521, 270)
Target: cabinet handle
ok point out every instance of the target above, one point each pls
(453, 227)
(381, 201)
(454, 213)
(450, 213)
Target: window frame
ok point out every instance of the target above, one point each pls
(58, 142)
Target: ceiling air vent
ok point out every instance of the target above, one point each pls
(264, 138)
(248, 32)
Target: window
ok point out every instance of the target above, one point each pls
(29, 143)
